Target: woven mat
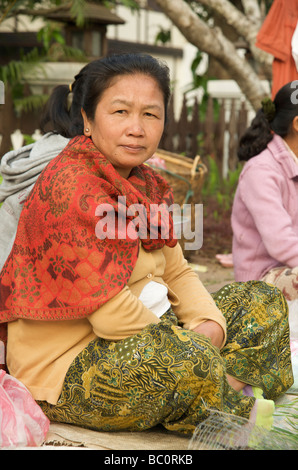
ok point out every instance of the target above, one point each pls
(67, 435)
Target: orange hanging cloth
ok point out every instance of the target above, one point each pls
(275, 37)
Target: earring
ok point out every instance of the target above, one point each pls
(87, 129)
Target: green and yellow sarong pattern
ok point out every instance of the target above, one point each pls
(172, 376)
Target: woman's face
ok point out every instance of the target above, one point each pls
(128, 122)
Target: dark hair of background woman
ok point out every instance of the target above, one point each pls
(265, 123)
(62, 113)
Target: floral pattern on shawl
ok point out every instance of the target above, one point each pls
(58, 268)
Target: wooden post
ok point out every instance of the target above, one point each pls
(233, 141)
(182, 128)
(195, 129)
(219, 136)
(209, 129)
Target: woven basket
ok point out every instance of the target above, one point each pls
(186, 177)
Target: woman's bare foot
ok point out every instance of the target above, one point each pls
(235, 384)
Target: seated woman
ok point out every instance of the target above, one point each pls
(109, 328)
(265, 209)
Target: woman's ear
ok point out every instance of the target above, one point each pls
(295, 124)
(87, 124)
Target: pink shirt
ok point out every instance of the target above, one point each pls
(265, 213)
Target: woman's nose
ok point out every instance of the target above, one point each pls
(135, 127)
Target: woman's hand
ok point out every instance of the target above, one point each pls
(212, 330)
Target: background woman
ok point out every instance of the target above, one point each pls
(265, 210)
(117, 332)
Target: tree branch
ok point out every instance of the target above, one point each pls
(232, 15)
(42, 11)
(9, 8)
(247, 26)
(252, 10)
(213, 42)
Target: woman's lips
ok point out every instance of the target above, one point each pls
(133, 148)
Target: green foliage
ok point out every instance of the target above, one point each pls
(53, 48)
(12, 75)
(46, 35)
(219, 188)
(132, 4)
(198, 80)
(14, 71)
(77, 11)
(28, 139)
(268, 4)
(30, 103)
(285, 437)
(201, 81)
(163, 36)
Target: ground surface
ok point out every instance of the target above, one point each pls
(217, 239)
(211, 272)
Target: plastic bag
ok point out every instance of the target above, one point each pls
(22, 421)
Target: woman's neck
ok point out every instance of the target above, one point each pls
(292, 143)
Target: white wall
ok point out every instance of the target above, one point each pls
(22, 24)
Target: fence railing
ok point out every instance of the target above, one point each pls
(217, 134)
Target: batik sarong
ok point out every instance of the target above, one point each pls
(171, 376)
(286, 279)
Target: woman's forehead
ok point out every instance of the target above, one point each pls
(126, 88)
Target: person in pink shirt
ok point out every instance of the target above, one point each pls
(265, 208)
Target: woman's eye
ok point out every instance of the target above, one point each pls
(120, 111)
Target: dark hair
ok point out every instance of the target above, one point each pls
(89, 85)
(275, 117)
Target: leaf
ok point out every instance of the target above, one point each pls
(15, 71)
(30, 103)
(77, 12)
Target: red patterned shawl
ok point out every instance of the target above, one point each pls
(58, 268)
